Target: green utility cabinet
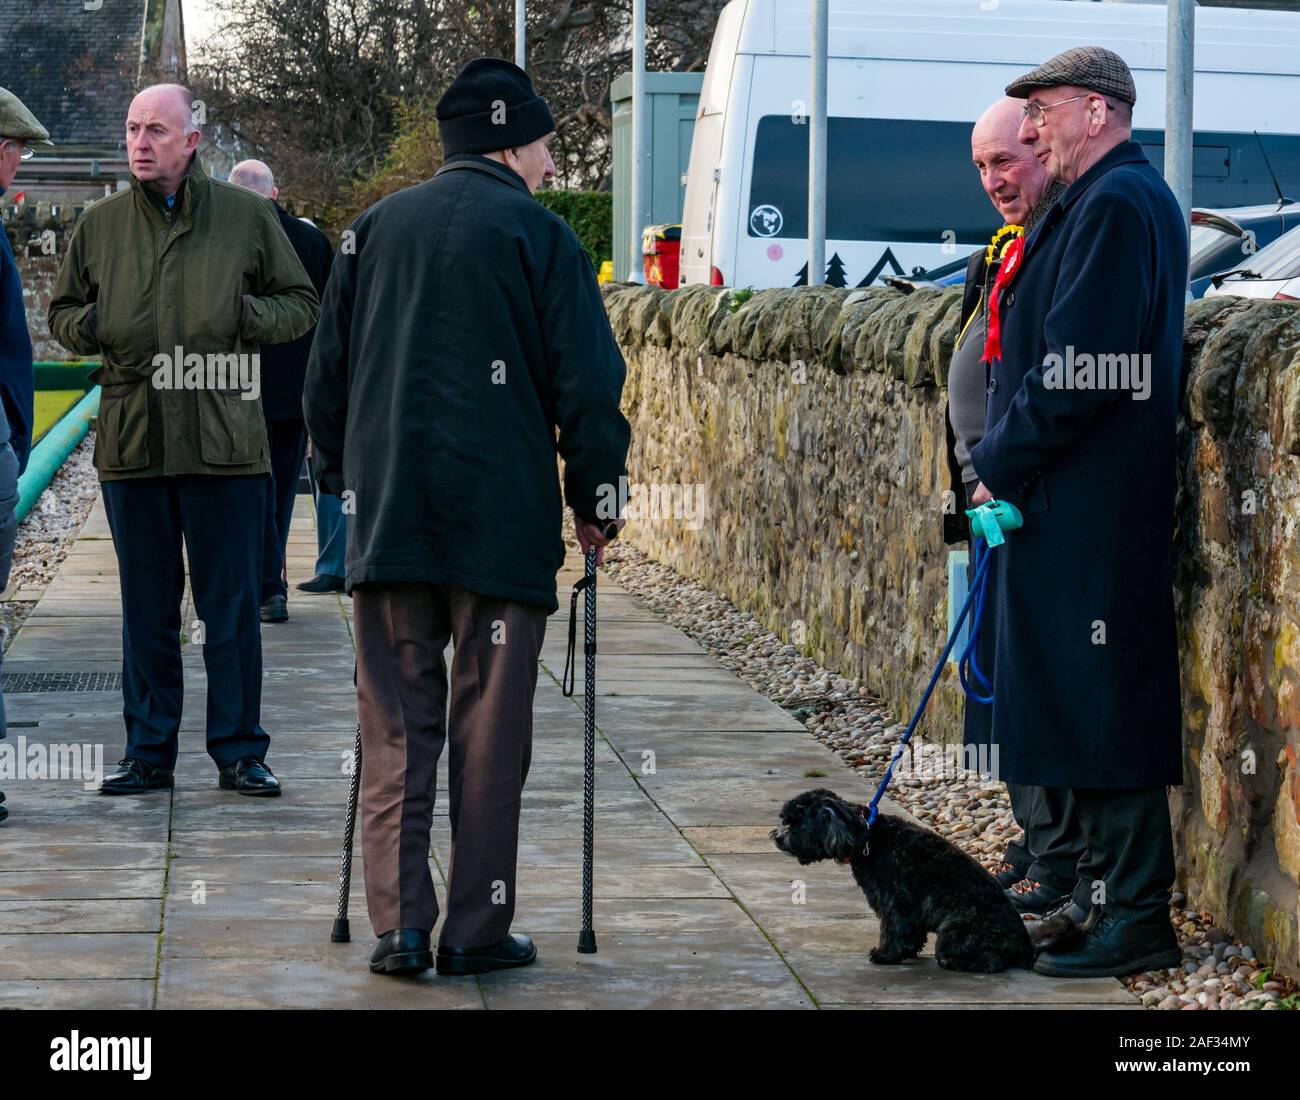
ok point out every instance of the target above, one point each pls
(671, 101)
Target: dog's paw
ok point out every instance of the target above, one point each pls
(883, 958)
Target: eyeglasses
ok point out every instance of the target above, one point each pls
(25, 152)
(1037, 112)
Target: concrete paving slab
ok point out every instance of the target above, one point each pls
(77, 993)
(650, 971)
(98, 954)
(305, 983)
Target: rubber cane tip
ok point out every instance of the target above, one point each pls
(340, 933)
(586, 942)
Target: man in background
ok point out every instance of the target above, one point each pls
(1021, 191)
(19, 132)
(284, 368)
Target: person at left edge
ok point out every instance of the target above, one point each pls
(174, 282)
(19, 131)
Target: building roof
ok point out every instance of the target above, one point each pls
(75, 69)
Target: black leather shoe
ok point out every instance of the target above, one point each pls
(515, 950)
(402, 951)
(275, 610)
(1029, 896)
(248, 775)
(3, 812)
(1114, 947)
(135, 776)
(321, 582)
(1007, 874)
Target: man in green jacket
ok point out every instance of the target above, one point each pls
(174, 283)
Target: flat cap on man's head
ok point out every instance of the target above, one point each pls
(1093, 67)
(17, 122)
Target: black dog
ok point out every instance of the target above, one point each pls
(915, 881)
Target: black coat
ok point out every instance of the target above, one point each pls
(462, 326)
(1080, 615)
(284, 366)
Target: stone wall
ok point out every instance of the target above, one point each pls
(811, 420)
(38, 235)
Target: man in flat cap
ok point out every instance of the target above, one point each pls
(174, 283)
(1084, 357)
(461, 330)
(19, 132)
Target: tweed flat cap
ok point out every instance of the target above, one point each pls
(16, 121)
(1093, 67)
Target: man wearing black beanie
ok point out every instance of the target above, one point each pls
(462, 344)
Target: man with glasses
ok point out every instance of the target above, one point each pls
(1085, 352)
(19, 131)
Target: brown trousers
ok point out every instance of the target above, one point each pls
(401, 633)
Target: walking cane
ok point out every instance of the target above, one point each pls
(586, 937)
(340, 932)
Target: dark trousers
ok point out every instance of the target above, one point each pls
(1036, 852)
(1052, 840)
(288, 440)
(8, 531)
(220, 521)
(1126, 843)
(1026, 808)
(402, 701)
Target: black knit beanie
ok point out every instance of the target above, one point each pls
(491, 105)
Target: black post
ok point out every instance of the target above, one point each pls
(341, 933)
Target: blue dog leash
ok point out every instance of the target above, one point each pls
(989, 524)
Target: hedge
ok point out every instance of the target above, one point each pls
(590, 214)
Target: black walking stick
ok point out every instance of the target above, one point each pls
(341, 932)
(587, 937)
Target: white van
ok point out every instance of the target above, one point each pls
(906, 80)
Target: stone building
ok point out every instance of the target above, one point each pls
(77, 64)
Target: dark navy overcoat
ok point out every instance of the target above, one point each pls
(1079, 627)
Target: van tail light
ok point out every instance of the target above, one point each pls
(1280, 297)
(715, 277)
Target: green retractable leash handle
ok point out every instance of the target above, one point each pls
(993, 518)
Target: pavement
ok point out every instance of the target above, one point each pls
(199, 898)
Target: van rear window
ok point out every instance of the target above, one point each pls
(886, 180)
